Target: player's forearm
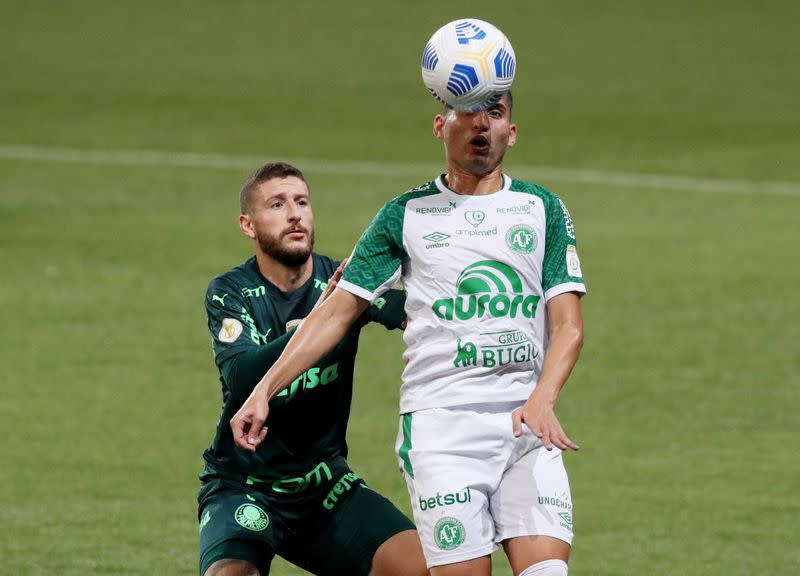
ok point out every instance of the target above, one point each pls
(565, 345)
(316, 336)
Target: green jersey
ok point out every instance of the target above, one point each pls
(251, 321)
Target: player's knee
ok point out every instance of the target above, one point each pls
(546, 568)
(231, 567)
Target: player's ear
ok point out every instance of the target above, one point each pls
(438, 126)
(246, 224)
(512, 135)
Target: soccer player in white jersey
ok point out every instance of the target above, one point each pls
(493, 284)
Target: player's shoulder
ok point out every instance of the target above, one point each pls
(233, 279)
(524, 187)
(427, 189)
(552, 203)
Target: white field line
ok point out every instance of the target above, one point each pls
(372, 168)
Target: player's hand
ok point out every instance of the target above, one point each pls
(539, 416)
(332, 282)
(247, 424)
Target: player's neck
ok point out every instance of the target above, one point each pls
(469, 184)
(286, 278)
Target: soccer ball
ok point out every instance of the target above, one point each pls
(468, 64)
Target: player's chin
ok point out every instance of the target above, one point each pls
(480, 164)
(296, 255)
(297, 244)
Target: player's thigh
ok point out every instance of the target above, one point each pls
(452, 460)
(346, 538)
(532, 508)
(240, 526)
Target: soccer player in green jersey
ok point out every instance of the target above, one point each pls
(295, 495)
(493, 282)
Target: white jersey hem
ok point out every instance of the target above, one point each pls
(513, 403)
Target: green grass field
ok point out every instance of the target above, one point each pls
(672, 131)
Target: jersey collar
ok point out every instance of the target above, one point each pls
(444, 188)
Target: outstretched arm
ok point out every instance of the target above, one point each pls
(565, 326)
(316, 336)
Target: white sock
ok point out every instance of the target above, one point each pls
(546, 568)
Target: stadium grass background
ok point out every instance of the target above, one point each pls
(685, 400)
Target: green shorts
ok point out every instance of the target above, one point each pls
(335, 529)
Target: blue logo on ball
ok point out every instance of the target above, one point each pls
(466, 31)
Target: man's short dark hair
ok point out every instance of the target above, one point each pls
(266, 172)
(510, 104)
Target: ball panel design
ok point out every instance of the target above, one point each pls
(503, 64)
(429, 57)
(462, 80)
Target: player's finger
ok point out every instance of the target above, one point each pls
(331, 285)
(557, 436)
(337, 275)
(570, 444)
(558, 441)
(255, 435)
(240, 429)
(342, 266)
(562, 440)
(546, 440)
(516, 422)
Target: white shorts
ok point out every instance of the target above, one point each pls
(473, 485)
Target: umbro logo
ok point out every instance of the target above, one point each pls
(436, 240)
(436, 237)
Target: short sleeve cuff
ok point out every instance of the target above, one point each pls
(579, 287)
(357, 290)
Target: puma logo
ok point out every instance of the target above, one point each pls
(221, 300)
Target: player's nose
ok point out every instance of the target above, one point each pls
(480, 120)
(293, 213)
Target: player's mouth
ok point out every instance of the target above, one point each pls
(296, 233)
(479, 144)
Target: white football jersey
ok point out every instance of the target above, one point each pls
(478, 271)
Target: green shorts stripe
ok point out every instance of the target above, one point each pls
(406, 446)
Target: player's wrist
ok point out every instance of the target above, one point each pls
(266, 389)
(545, 394)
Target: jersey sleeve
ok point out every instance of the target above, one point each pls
(561, 271)
(246, 366)
(227, 319)
(378, 256)
(389, 309)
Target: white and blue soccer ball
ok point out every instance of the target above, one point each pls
(468, 64)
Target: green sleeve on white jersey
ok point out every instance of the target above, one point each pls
(561, 264)
(379, 252)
